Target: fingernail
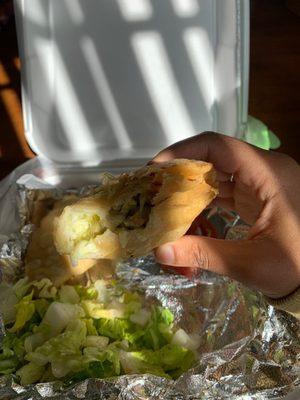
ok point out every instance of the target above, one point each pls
(165, 254)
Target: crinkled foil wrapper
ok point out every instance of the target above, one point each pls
(248, 349)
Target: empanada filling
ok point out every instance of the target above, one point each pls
(82, 229)
(133, 214)
(132, 209)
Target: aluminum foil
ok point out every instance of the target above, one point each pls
(248, 349)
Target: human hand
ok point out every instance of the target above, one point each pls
(265, 192)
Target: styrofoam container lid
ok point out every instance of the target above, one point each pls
(120, 79)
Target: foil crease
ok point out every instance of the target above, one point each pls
(248, 350)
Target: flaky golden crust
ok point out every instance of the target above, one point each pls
(190, 187)
(137, 211)
(43, 261)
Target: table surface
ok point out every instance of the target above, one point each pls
(274, 82)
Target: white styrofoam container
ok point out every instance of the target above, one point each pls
(111, 82)
(106, 84)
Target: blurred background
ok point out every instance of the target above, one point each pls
(274, 78)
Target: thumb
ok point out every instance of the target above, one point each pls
(235, 259)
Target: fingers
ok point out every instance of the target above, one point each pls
(226, 189)
(231, 258)
(262, 264)
(228, 203)
(226, 153)
(223, 177)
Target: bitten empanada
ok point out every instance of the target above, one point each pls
(132, 214)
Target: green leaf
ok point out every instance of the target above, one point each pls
(120, 329)
(99, 342)
(12, 352)
(68, 294)
(173, 357)
(21, 287)
(45, 288)
(91, 328)
(8, 301)
(96, 310)
(168, 361)
(84, 293)
(41, 306)
(114, 328)
(133, 363)
(95, 369)
(158, 330)
(8, 366)
(25, 310)
(59, 315)
(113, 356)
(67, 344)
(30, 373)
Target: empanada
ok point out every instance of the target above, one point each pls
(132, 214)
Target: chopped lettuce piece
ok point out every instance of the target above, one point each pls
(68, 294)
(158, 331)
(100, 342)
(21, 287)
(181, 338)
(132, 364)
(103, 295)
(132, 301)
(45, 288)
(59, 315)
(41, 306)
(30, 373)
(140, 317)
(96, 310)
(86, 293)
(114, 328)
(90, 326)
(13, 345)
(112, 355)
(95, 369)
(8, 366)
(12, 353)
(170, 360)
(8, 301)
(62, 349)
(173, 357)
(25, 310)
(33, 341)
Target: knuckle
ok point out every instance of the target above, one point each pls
(284, 168)
(199, 257)
(283, 160)
(209, 135)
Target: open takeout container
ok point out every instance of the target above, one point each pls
(108, 84)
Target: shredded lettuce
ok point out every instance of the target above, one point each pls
(25, 311)
(76, 332)
(21, 287)
(30, 373)
(68, 294)
(158, 331)
(45, 288)
(8, 301)
(59, 315)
